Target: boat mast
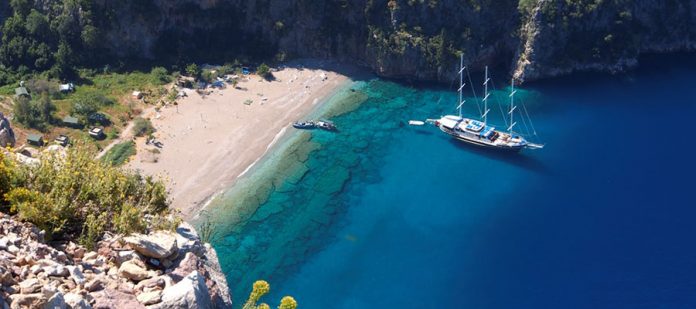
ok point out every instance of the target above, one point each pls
(461, 84)
(485, 99)
(512, 105)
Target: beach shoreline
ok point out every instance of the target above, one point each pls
(209, 142)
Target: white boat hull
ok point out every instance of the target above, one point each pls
(481, 143)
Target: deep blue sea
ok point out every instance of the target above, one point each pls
(383, 215)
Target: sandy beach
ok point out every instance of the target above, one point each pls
(210, 141)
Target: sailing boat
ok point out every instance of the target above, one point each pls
(480, 132)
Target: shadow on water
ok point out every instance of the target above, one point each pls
(423, 132)
(518, 159)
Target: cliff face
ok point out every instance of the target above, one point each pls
(558, 38)
(413, 39)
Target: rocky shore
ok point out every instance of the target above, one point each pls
(159, 270)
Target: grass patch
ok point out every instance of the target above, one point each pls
(119, 154)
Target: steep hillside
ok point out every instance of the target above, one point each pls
(413, 39)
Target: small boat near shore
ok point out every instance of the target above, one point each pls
(305, 125)
(326, 125)
(308, 125)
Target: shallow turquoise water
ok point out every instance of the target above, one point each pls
(386, 215)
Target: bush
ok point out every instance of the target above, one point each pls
(142, 127)
(192, 70)
(8, 176)
(34, 113)
(263, 70)
(75, 195)
(160, 76)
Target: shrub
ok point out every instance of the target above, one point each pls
(264, 71)
(34, 113)
(8, 176)
(192, 70)
(160, 76)
(36, 208)
(142, 127)
(77, 195)
(128, 220)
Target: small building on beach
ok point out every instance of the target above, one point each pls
(22, 92)
(35, 139)
(65, 88)
(97, 133)
(72, 122)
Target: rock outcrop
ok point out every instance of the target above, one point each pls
(7, 137)
(177, 274)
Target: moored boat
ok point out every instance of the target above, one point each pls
(480, 132)
(304, 125)
(326, 125)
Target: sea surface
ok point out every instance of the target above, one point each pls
(385, 215)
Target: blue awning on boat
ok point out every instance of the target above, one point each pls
(487, 131)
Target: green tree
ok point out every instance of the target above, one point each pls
(63, 60)
(36, 114)
(90, 36)
(160, 75)
(264, 71)
(192, 70)
(37, 24)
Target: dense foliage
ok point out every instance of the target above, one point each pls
(34, 113)
(53, 38)
(77, 196)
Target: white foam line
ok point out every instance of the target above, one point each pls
(275, 139)
(207, 203)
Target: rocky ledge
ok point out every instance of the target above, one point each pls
(158, 270)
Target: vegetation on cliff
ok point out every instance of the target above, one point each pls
(405, 38)
(75, 196)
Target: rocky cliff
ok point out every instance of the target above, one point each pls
(159, 270)
(560, 37)
(7, 136)
(413, 39)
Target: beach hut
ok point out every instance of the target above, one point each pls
(96, 133)
(137, 95)
(35, 139)
(72, 122)
(22, 92)
(62, 140)
(65, 88)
